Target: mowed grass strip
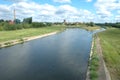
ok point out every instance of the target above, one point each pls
(94, 63)
(110, 41)
(18, 34)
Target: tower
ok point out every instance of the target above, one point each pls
(14, 15)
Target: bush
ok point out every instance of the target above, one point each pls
(17, 21)
(38, 24)
(27, 20)
(48, 24)
(93, 75)
(25, 26)
(12, 27)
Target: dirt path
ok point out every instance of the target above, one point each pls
(103, 73)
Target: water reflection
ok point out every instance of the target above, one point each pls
(63, 56)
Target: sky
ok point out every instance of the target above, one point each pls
(98, 11)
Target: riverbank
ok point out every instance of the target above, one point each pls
(110, 42)
(9, 38)
(13, 42)
(90, 57)
(88, 28)
(97, 69)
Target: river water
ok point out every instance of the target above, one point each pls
(63, 56)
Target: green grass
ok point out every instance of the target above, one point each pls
(94, 63)
(83, 26)
(110, 41)
(89, 28)
(19, 34)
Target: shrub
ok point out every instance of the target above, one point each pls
(12, 26)
(38, 24)
(93, 75)
(48, 24)
(27, 20)
(25, 26)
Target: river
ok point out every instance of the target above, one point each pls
(63, 56)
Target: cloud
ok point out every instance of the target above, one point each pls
(105, 8)
(88, 0)
(15, 0)
(62, 1)
(45, 12)
(5, 12)
(117, 18)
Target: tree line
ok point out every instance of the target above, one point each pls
(17, 24)
(116, 25)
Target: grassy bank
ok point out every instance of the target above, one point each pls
(19, 34)
(110, 41)
(89, 28)
(83, 26)
(94, 62)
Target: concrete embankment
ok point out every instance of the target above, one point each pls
(91, 53)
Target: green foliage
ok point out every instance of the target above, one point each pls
(1, 20)
(38, 24)
(48, 24)
(21, 40)
(8, 43)
(25, 26)
(116, 25)
(18, 34)
(17, 21)
(110, 41)
(27, 20)
(18, 25)
(93, 75)
(90, 24)
(12, 26)
(94, 64)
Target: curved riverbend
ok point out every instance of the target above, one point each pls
(63, 56)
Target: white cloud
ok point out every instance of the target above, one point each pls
(45, 12)
(62, 1)
(105, 8)
(16, 0)
(117, 18)
(89, 0)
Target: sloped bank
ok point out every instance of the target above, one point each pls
(22, 40)
(97, 69)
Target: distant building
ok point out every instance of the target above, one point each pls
(11, 22)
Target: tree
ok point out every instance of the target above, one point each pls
(27, 20)
(91, 24)
(1, 20)
(17, 21)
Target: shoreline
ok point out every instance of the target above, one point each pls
(22, 40)
(101, 60)
(90, 56)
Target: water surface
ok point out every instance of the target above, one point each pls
(63, 56)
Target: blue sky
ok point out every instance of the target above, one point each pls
(58, 10)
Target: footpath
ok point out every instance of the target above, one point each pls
(103, 73)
